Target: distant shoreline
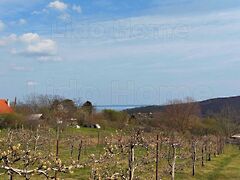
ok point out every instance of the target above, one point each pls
(117, 107)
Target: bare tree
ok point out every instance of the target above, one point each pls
(179, 114)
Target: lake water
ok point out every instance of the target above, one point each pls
(116, 107)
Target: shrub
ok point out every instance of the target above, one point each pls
(117, 118)
(13, 120)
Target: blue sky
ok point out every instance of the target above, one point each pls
(120, 52)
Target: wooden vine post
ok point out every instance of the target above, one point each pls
(131, 161)
(57, 150)
(193, 157)
(157, 157)
(80, 150)
(174, 147)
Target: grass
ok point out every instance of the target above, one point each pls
(88, 131)
(225, 166)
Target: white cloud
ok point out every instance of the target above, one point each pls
(31, 44)
(29, 37)
(34, 45)
(201, 38)
(58, 5)
(18, 22)
(44, 10)
(32, 83)
(217, 25)
(9, 39)
(2, 42)
(22, 22)
(2, 25)
(77, 8)
(45, 47)
(65, 17)
(16, 67)
(50, 58)
(12, 37)
(13, 51)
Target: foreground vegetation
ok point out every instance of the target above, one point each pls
(225, 166)
(176, 143)
(108, 154)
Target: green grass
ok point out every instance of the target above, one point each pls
(225, 166)
(82, 174)
(88, 131)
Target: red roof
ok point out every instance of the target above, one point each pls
(4, 108)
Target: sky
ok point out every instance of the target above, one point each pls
(129, 52)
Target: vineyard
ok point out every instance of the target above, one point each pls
(105, 154)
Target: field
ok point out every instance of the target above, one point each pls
(222, 167)
(93, 157)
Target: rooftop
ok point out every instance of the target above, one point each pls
(4, 107)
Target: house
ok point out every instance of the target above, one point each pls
(94, 126)
(97, 126)
(235, 139)
(5, 107)
(35, 117)
(236, 136)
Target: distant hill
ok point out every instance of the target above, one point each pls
(207, 107)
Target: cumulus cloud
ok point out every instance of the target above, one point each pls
(58, 5)
(29, 37)
(77, 8)
(31, 44)
(9, 39)
(2, 25)
(45, 47)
